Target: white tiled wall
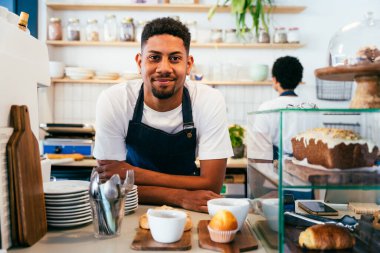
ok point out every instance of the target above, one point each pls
(75, 102)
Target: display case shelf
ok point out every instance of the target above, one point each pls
(63, 43)
(161, 7)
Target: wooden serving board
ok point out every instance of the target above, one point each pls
(27, 203)
(144, 241)
(270, 236)
(244, 240)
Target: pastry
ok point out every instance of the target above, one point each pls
(143, 221)
(223, 227)
(326, 237)
(334, 148)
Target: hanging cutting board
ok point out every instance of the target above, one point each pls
(26, 188)
(144, 241)
(244, 240)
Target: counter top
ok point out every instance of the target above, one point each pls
(82, 239)
(231, 163)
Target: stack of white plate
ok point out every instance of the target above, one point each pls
(102, 75)
(131, 75)
(77, 73)
(131, 201)
(67, 203)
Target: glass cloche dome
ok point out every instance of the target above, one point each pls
(356, 43)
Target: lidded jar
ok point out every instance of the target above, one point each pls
(293, 35)
(73, 29)
(54, 29)
(92, 30)
(356, 43)
(110, 28)
(230, 36)
(263, 36)
(280, 35)
(127, 29)
(139, 29)
(216, 35)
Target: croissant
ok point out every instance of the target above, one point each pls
(326, 237)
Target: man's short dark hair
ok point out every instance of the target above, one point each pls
(169, 26)
(288, 72)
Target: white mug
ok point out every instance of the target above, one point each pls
(269, 208)
(166, 226)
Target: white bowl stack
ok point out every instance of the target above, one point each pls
(103, 75)
(77, 73)
(131, 201)
(67, 203)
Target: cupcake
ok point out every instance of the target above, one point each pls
(223, 227)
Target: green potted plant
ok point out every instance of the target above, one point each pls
(240, 8)
(237, 137)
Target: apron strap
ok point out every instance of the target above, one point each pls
(187, 114)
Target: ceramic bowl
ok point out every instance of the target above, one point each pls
(259, 72)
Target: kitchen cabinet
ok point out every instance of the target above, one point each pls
(338, 187)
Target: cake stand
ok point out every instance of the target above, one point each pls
(367, 77)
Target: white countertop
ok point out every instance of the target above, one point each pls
(82, 239)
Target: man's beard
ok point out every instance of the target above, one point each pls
(163, 94)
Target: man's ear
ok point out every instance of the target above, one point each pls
(138, 59)
(190, 63)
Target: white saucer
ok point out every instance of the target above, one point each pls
(69, 221)
(55, 224)
(62, 196)
(62, 201)
(72, 208)
(66, 186)
(68, 211)
(131, 203)
(70, 216)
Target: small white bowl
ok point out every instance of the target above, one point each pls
(166, 226)
(56, 69)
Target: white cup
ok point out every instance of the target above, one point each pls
(238, 207)
(56, 69)
(268, 208)
(166, 226)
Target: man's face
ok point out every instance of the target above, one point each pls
(164, 64)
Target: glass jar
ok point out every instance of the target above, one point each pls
(55, 29)
(110, 28)
(246, 36)
(92, 30)
(230, 36)
(192, 26)
(280, 35)
(263, 36)
(139, 29)
(293, 35)
(127, 30)
(73, 29)
(216, 35)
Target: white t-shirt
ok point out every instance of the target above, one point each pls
(115, 108)
(264, 129)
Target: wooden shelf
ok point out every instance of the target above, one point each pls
(213, 83)
(160, 7)
(62, 43)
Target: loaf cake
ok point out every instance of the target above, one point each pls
(334, 148)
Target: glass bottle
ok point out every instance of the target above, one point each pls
(23, 21)
(293, 35)
(110, 28)
(216, 35)
(73, 29)
(92, 30)
(55, 29)
(280, 35)
(139, 29)
(192, 26)
(127, 30)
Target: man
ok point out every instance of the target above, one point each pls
(264, 129)
(159, 125)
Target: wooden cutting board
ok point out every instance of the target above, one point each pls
(27, 201)
(244, 240)
(144, 241)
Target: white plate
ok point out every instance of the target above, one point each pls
(66, 186)
(54, 224)
(70, 216)
(62, 196)
(68, 211)
(128, 199)
(68, 204)
(69, 221)
(129, 202)
(63, 200)
(68, 207)
(127, 209)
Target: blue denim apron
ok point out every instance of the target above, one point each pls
(156, 150)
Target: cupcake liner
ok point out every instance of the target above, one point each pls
(222, 236)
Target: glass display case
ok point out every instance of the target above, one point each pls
(301, 162)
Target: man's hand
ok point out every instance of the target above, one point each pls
(107, 168)
(197, 200)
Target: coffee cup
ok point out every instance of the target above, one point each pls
(238, 207)
(56, 69)
(166, 226)
(269, 208)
